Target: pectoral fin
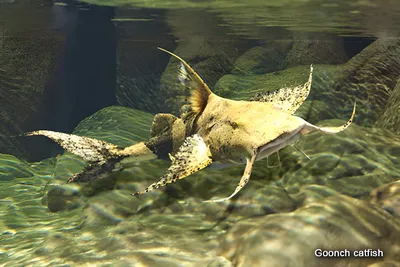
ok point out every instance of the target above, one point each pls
(192, 156)
(243, 181)
(93, 172)
(329, 130)
(90, 149)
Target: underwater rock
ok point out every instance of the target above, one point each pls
(369, 78)
(291, 239)
(121, 126)
(60, 196)
(63, 198)
(353, 162)
(156, 236)
(296, 48)
(316, 48)
(387, 197)
(391, 116)
(187, 196)
(262, 59)
(312, 193)
(12, 168)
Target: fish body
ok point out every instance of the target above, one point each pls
(211, 130)
(235, 130)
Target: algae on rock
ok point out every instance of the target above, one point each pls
(390, 118)
(369, 78)
(290, 239)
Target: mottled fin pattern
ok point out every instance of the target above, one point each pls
(192, 156)
(243, 181)
(90, 149)
(329, 130)
(93, 172)
(288, 98)
(199, 90)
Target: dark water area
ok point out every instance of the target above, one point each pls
(94, 69)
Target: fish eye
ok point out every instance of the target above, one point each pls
(234, 124)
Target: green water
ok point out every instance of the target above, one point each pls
(93, 70)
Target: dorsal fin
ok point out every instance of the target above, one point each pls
(199, 90)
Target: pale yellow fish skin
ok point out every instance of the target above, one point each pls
(235, 129)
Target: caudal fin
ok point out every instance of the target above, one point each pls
(90, 149)
(329, 130)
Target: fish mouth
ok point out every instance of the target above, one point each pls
(278, 143)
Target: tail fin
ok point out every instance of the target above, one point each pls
(329, 130)
(103, 157)
(90, 149)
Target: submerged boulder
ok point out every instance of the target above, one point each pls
(262, 59)
(353, 162)
(369, 78)
(11, 168)
(387, 197)
(390, 118)
(292, 239)
(316, 48)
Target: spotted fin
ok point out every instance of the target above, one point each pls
(243, 181)
(199, 90)
(329, 130)
(93, 172)
(192, 156)
(90, 149)
(288, 98)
